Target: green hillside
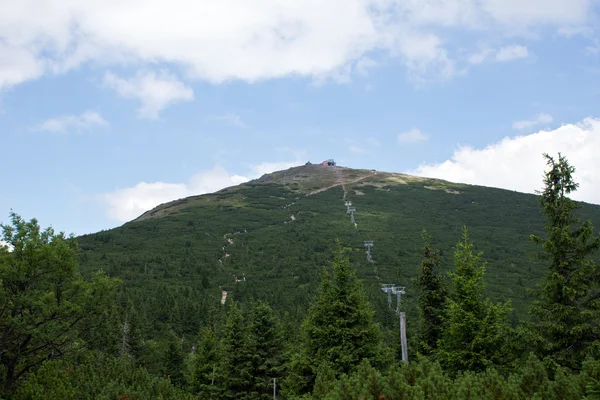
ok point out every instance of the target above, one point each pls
(304, 313)
(274, 235)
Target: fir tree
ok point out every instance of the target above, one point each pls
(339, 329)
(432, 299)
(567, 309)
(474, 327)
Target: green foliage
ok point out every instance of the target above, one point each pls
(44, 303)
(424, 380)
(567, 308)
(335, 347)
(432, 298)
(101, 378)
(168, 260)
(265, 345)
(236, 367)
(133, 334)
(204, 365)
(339, 329)
(173, 362)
(473, 336)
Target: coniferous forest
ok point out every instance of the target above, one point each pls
(226, 296)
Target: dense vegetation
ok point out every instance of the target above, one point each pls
(140, 315)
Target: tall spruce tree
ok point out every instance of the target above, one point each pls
(173, 362)
(432, 299)
(339, 330)
(204, 366)
(567, 309)
(473, 336)
(235, 371)
(266, 346)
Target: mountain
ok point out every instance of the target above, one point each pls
(270, 239)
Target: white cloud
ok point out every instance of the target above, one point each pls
(154, 91)
(517, 164)
(232, 119)
(128, 203)
(532, 12)
(364, 65)
(540, 119)
(72, 122)
(412, 136)
(480, 56)
(510, 53)
(257, 170)
(570, 31)
(592, 50)
(424, 53)
(227, 40)
(503, 54)
(17, 65)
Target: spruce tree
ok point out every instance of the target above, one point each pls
(266, 346)
(136, 332)
(474, 327)
(173, 362)
(567, 309)
(432, 298)
(235, 377)
(339, 329)
(131, 340)
(204, 366)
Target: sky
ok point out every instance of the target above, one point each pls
(111, 107)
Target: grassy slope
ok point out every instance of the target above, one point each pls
(179, 244)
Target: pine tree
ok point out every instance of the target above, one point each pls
(474, 327)
(339, 329)
(567, 309)
(432, 299)
(266, 346)
(205, 365)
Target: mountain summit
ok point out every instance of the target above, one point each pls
(307, 179)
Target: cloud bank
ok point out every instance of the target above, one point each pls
(516, 163)
(227, 40)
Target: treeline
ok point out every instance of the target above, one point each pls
(63, 336)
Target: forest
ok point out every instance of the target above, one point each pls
(502, 297)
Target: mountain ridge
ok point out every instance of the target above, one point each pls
(307, 179)
(270, 239)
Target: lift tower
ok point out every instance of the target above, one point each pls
(352, 210)
(369, 244)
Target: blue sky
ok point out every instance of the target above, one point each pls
(113, 107)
